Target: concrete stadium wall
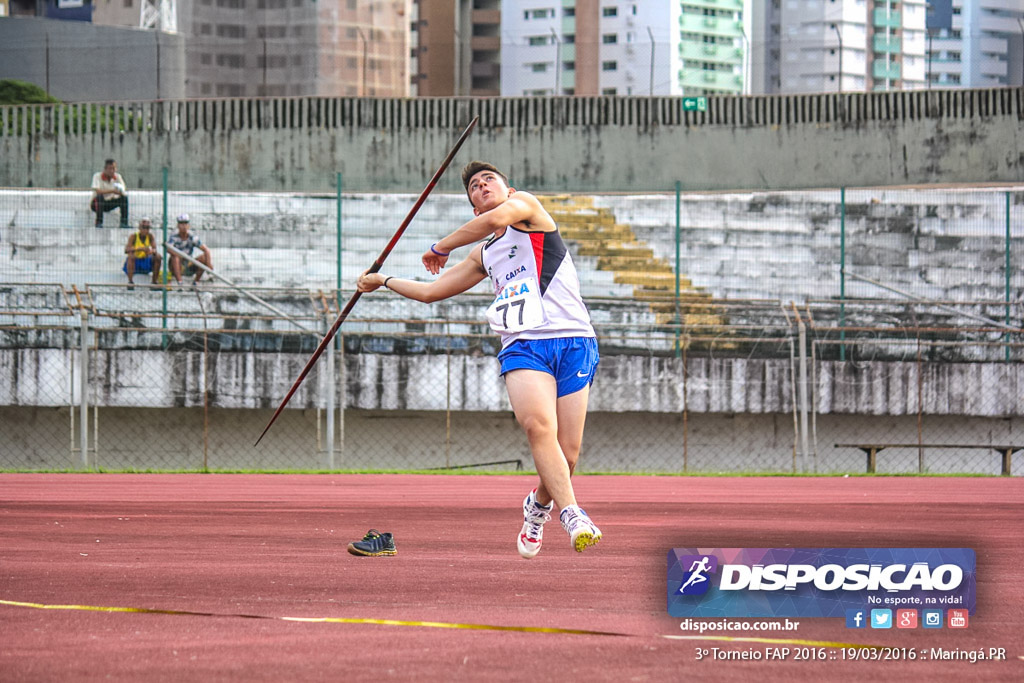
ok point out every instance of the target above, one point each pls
(158, 379)
(172, 438)
(84, 62)
(545, 144)
(739, 413)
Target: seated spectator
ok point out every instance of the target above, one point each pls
(109, 193)
(143, 256)
(185, 242)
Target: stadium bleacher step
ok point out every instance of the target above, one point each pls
(597, 233)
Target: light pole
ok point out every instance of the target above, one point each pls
(746, 52)
(931, 34)
(651, 34)
(840, 36)
(362, 88)
(1021, 24)
(558, 61)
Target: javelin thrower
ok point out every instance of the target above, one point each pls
(549, 349)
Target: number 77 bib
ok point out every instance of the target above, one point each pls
(517, 307)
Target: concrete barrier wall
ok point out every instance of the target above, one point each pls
(158, 379)
(551, 144)
(84, 62)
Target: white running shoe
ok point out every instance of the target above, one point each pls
(534, 516)
(582, 531)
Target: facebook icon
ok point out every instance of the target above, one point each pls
(855, 618)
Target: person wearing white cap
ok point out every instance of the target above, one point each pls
(186, 243)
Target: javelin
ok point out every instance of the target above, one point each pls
(373, 269)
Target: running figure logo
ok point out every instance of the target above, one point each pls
(696, 580)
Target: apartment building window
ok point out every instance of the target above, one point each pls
(610, 38)
(206, 58)
(568, 11)
(541, 13)
(230, 90)
(538, 40)
(230, 31)
(569, 38)
(609, 11)
(569, 66)
(272, 61)
(272, 31)
(609, 91)
(539, 67)
(609, 66)
(231, 4)
(231, 61)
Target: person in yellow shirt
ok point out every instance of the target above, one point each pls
(142, 254)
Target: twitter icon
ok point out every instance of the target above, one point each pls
(881, 618)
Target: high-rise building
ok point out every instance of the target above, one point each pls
(456, 48)
(623, 47)
(839, 45)
(975, 43)
(245, 48)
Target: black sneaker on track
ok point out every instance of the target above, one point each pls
(374, 544)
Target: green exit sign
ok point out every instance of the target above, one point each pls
(695, 104)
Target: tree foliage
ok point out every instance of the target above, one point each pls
(19, 92)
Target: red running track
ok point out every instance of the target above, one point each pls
(273, 546)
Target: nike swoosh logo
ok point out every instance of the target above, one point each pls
(581, 374)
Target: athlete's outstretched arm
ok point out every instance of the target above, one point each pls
(459, 279)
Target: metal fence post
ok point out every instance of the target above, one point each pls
(1007, 269)
(802, 353)
(84, 387)
(331, 388)
(678, 319)
(337, 292)
(842, 272)
(165, 264)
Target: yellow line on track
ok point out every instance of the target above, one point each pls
(428, 624)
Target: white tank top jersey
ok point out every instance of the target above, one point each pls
(537, 290)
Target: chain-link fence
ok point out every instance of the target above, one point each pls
(739, 332)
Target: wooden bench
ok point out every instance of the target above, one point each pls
(872, 450)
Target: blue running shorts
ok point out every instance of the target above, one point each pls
(571, 360)
(142, 265)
